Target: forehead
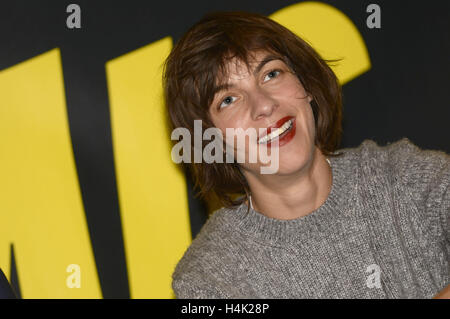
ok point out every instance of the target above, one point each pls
(236, 68)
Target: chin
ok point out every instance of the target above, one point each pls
(291, 167)
(294, 159)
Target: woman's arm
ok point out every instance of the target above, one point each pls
(443, 294)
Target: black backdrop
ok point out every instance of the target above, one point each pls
(404, 94)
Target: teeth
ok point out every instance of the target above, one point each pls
(276, 132)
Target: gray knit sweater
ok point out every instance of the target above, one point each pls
(383, 232)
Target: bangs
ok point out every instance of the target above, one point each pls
(222, 65)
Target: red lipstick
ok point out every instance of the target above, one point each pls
(286, 136)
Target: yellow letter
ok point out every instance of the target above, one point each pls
(152, 189)
(41, 207)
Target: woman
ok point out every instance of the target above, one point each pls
(368, 222)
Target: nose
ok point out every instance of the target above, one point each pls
(262, 104)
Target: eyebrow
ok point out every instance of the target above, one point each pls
(267, 58)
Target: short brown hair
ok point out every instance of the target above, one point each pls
(199, 58)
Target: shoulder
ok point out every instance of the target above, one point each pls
(421, 169)
(196, 275)
(203, 246)
(416, 166)
(403, 162)
(404, 158)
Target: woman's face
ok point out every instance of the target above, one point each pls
(269, 97)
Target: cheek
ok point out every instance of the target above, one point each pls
(220, 123)
(306, 128)
(230, 123)
(309, 116)
(292, 88)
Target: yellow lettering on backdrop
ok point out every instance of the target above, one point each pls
(41, 208)
(152, 189)
(331, 33)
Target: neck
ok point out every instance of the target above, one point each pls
(295, 195)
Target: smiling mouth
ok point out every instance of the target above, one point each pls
(279, 132)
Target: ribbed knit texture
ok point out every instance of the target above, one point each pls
(388, 206)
